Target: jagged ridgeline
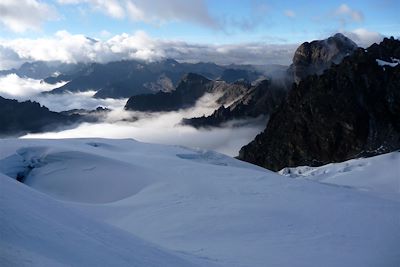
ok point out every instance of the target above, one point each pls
(123, 79)
(191, 88)
(18, 118)
(351, 110)
(263, 98)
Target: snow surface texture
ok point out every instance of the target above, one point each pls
(125, 203)
(383, 63)
(379, 175)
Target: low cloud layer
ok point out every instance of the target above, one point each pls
(225, 140)
(163, 128)
(12, 86)
(22, 89)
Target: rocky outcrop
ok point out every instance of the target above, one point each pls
(190, 89)
(19, 118)
(351, 110)
(316, 56)
(260, 100)
(233, 75)
(309, 58)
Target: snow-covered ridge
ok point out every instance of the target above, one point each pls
(128, 203)
(383, 63)
(379, 175)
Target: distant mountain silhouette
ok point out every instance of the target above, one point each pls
(123, 79)
(47, 69)
(19, 118)
(191, 87)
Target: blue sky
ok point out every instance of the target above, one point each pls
(253, 31)
(218, 21)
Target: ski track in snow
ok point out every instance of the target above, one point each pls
(99, 202)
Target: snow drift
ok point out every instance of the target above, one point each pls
(97, 201)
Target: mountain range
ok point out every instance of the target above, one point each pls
(264, 98)
(335, 102)
(190, 89)
(19, 118)
(123, 79)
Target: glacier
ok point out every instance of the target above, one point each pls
(105, 202)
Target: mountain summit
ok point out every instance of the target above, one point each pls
(316, 56)
(351, 110)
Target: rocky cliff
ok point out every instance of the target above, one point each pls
(316, 56)
(351, 110)
(259, 100)
(190, 89)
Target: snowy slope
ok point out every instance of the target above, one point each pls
(205, 207)
(36, 230)
(379, 175)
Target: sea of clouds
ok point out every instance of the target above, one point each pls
(162, 128)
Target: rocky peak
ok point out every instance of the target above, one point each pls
(193, 78)
(316, 56)
(349, 111)
(387, 50)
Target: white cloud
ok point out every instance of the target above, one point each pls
(345, 15)
(153, 11)
(71, 48)
(12, 86)
(345, 10)
(135, 13)
(289, 13)
(23, 15)
(112, 8)
(105, 34)
(364, 37)
(164, 128)
(149, 127)
(159, 11)
(69, 2)
(80, 100)
(9, 58)
(22, 89)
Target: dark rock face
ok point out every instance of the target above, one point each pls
(315, 57)
(351, 110)
(233, 75)
(257, 101)
(190, 89)
(84, 115)
(262, 100)
(18, 118)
